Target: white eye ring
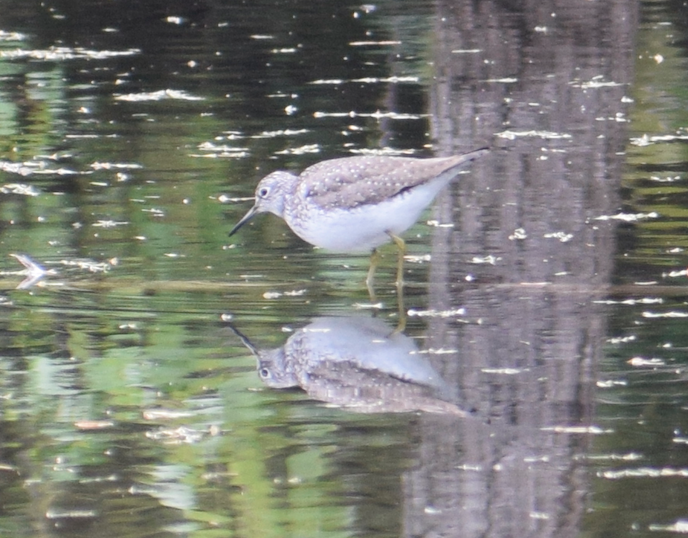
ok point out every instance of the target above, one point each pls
(263, 192)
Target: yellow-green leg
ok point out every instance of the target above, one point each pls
(401, 245)
(370, 278)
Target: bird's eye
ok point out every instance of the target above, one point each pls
(263, 192)
(264, 373)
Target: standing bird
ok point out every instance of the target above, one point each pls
(355, 204)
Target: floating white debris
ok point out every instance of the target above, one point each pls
(643, 472)
(223, 198)
(93, 424)
(382, 151)
(330, 81)
(611, 383)
(644, 300)
(454, 312)
(11, 36)
(438, 224)
(665, 314)
(595, 430)
(440, 351)
(547, 135)
(539, 515)
(631, 456)
(622, 339)
(19, 188)
(619, 117)
(177, 436)
(33, 167)
(665, 179)
(641, 362)
(70, 514)
(109, 223)
(221, 150)
(280, 133)
(115, 166)
(386, 80)
(681, 527)
(519, 234)
(629, 217)
(165, 414)
(295, 293)
(501, 371)
(154, 211)
(272, 295)
(66, 53)
(374, 115)
(90, 265)
(489, 260)
(303, 150)
(646, 140)
(158, 96)
(596, 82)
(561, 236)
(422, 258)
(369, 43)
(469, 467)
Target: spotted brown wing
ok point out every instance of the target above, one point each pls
(355, 181)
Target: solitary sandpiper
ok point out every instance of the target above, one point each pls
(355, 204)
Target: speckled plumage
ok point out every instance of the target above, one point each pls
(354, 204)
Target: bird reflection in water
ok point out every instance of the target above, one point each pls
(357, 363)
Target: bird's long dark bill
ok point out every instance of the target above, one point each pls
(248, 216)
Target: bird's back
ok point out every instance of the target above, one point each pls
(351, 182)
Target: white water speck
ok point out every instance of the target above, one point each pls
(369, 43)
(622, 339)
(665, 314)
(639, 362)
(611, 383)
(644, 472)
(595, 430)
(519, 234)
(66, 53)
(302, 150)
(561, 236)
(455, 312)
(629, 217)
(158, 96)
(19, 188)
(547, 135)
(489, 260)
